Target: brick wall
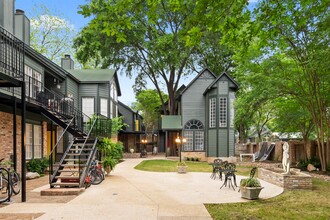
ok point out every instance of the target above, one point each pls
(6, 137)
(297, 180)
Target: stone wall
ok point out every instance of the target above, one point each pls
(200, 155)
(297, 180)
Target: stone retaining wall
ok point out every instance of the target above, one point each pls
(297, 180)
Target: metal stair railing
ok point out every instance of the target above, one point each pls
(52, 174)
(83, 170)
(11, 55)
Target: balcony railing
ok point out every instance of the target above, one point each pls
(11, 55)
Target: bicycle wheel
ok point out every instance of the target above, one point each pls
(96, 178)
(15, 182)
(4, 189)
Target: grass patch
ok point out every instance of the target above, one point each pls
(170, 166)
(292, 204)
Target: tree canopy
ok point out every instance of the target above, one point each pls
(157, 40)
(51, 35)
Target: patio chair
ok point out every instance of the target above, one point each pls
(216, 169)
(230, 176)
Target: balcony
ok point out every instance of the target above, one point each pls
(11, 59)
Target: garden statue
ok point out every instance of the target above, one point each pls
(286, 158)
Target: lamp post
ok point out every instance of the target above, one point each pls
(144, 151)
(180, 140)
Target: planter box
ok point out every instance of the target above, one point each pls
(182, 169)
(250, 192)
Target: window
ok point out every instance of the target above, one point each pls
(104, 107)
(33, 82)
(212, 115)
(194, 133)
(88, 107)
(111, 109)
(113, 91)
(33, 141)
(222, 112)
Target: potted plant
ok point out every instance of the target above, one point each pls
(250, 188)
(182, 167)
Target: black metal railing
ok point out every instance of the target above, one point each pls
(11, 55)
(102, 127)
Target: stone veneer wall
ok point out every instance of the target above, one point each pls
(297, 181)
(200, 155)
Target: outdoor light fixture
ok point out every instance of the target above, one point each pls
(180, 140)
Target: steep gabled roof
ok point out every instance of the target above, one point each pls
(224, 74)
(201, 73)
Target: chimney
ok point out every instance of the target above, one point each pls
(22, 26)
(7, 15)
(67, 63)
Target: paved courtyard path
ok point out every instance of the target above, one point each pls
(132, 194)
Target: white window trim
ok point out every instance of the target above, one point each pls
(212, 112)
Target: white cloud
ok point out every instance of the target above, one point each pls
(50, 21)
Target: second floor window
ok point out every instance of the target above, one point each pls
(212, 113)
(104, 107)
(33, 82)
(88, 106)
(222, 112)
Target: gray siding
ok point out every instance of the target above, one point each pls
(7, 15)
(73, 88)
(212, 143)
(223, 87)
(193, 101)
(223, 142)
(128, 118)
(231, 142)
(104, 90)
(88, 90)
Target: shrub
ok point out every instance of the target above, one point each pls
(250, 182)
(304, 163)
(38, 165)
(181, 164)
(111, 152)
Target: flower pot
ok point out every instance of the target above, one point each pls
(182, 169)
(107, 170)
(250, 192)
(131, 150)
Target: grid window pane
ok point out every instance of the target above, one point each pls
(29, 141)
(37, 141)
(223, 112)
(212, 114)
(188, 146)
(199, 140)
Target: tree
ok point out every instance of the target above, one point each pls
(157, 40)
(300, 31)
(148, 102)
(290, 39)
(51, 35)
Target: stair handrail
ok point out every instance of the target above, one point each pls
(52, 174)
(88, 162)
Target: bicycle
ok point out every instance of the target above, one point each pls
(5, 188)
(9, 182)
(95, 174)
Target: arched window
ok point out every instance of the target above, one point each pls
(193, 131)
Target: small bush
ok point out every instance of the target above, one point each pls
(304, 163)
(196, 159)
(192, 159)
(38, 165)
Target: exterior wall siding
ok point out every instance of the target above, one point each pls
(193, 101)
(88, 90)
(212, 143)
(223, 87)
(73, 88)
(231, 142)
(223, 142)
(128, 118)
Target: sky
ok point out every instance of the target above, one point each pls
(68, 9)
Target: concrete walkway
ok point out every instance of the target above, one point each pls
(131, 194)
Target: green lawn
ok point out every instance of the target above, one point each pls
(294, 204)
(170, 166)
